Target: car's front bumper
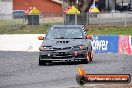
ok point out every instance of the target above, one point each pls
(62, 55)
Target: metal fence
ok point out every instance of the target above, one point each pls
(112, 19)
(99, 19)
(7, 21)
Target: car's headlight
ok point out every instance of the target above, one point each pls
(79, 47)
(42, 48)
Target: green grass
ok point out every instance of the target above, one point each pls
(9, 27)
(109, 30)
(23, 29)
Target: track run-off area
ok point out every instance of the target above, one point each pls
(21, 70)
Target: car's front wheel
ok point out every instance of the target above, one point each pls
(89, 56)
(85, 61)
(41, 62)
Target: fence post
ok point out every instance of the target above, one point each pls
(125, 19)
(23, 20)
(43, 17)
(52, 19)
(32, 20)
(87, 20)
(99, 19)
(64, 16)
(112, 18)
(75, 18)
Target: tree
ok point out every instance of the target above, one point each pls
(82, 5)
(71, 2)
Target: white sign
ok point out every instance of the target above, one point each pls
(99, 44)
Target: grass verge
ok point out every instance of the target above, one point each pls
(109, 30)
(42, 29)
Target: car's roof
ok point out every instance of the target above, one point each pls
(80, 26)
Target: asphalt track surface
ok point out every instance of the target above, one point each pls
(21, 70)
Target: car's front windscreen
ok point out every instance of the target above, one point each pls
(65, 33)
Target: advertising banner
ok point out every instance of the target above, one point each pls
(125, 44)
(105, 43)
(130, 42)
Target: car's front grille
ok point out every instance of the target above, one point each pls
(54, 48)
(61, 55)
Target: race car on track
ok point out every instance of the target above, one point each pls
(65, 43)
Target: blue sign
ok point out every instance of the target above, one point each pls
(105, 43)
(131, 42)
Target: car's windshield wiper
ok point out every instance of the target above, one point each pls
(76, 38)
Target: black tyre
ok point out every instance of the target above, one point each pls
(86, 58)
(41, 62)
(91, 57)
(85, 61)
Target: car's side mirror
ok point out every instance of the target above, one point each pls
(41, 38)
(88, 37)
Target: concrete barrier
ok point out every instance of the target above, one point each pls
(20, 42)
(101, 44)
